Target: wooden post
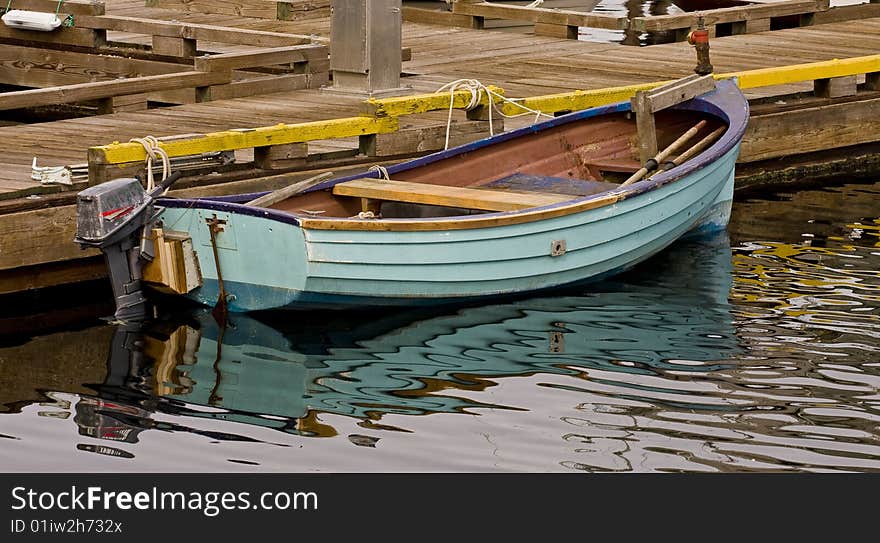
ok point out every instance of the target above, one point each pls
(99, 173)
(203, 94)
(556, 31)
(641, 106)
(281, 156)
(174, 47)
(835, 87)
(750, 27)
(646, 103)
(366, 38)
(477, 22)
(116, 104)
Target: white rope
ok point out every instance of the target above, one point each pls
(477, 89)
(154, 152)
(383, 172)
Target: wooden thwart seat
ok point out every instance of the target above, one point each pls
(620, 165)
(440, 195)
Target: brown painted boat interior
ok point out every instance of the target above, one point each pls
(577, 159)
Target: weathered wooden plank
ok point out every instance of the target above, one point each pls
(268, 57)
(265, 9)
(847, 13)
(84, 37)
(679, 91)
(812, 129)
(260, 85)
(38, 237)
(541, 15)
(103, 89)
(195, 31)
(298, 10)
(69, 7)
(50, 275)
(727, 15)
(36, 67)
(289, 10)
(436, 17)
(439, 195)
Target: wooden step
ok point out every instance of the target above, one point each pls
(440, 195)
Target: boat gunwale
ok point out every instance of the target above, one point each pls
(711, 103)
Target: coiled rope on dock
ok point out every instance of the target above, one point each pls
(477, 89)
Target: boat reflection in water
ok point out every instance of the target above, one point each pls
(672, 315)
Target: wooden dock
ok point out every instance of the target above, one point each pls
(264, 71)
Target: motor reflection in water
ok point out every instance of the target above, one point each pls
(672, 317)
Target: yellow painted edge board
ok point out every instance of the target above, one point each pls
(767, 77)
(118, 153)
(748, 79)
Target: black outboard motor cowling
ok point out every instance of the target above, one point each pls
(114, 217)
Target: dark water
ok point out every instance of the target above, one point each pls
(753, 351)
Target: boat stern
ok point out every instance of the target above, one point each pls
(256, 262)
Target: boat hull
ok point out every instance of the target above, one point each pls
(351, 268)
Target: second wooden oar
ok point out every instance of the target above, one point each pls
(687, 155)
(664, 154)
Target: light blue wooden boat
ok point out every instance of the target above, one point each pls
(569, 221)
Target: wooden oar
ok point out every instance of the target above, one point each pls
(664, 154)
(687, 155)
(291, 190)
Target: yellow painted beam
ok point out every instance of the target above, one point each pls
(783, 75)
(422, 103)
(577, 100)
(749, 79)
(119, 153)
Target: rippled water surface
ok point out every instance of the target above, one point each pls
(757, 351)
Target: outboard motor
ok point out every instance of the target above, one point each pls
(115, 217)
